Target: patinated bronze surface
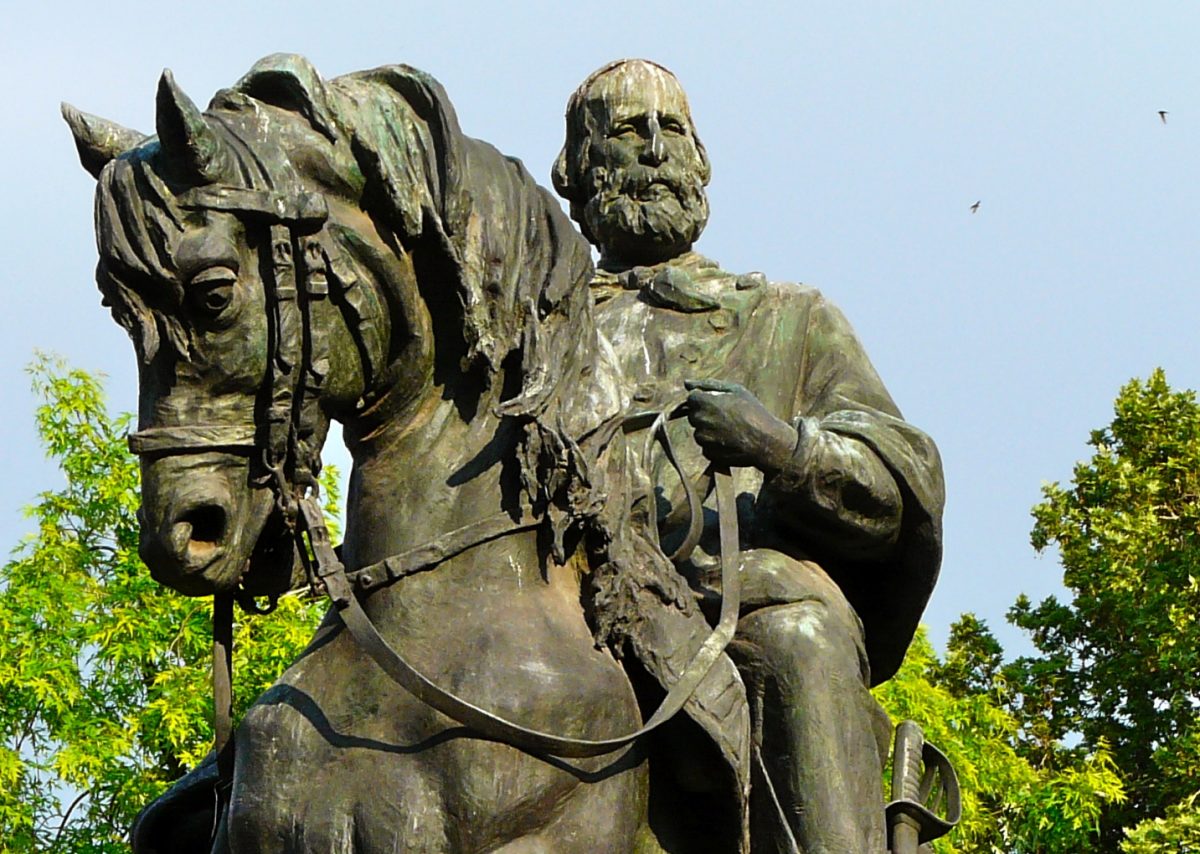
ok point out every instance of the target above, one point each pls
(525, 577)
(839, 499)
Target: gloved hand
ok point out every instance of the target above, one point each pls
(734, 428)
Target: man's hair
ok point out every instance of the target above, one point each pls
(571, 167)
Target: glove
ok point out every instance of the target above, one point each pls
(733, 427)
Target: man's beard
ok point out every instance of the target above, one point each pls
(645, 215)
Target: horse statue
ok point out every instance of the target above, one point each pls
(307, 250)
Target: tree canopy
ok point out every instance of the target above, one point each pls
(1011, 803)
(1092, 743)
(1118, 666)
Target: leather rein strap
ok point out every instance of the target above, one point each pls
(328, 569)
(222, 678)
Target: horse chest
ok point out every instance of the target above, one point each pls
(337, 757)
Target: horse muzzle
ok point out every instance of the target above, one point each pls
(200, 520)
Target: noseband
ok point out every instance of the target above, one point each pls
(299, 275)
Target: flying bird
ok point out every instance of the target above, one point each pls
(975, 207)
(1162, 114)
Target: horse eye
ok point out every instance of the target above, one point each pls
(216, 298)
(212, 288)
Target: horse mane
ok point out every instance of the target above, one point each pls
(520, 271)
(522, 276)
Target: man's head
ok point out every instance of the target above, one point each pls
(632, 166)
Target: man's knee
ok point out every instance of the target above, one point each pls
(798, 637)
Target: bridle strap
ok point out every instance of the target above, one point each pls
(288, 326)
(192, 439)
(423, 558)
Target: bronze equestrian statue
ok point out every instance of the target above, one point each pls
(511, 662)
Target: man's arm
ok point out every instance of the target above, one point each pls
(838, 494)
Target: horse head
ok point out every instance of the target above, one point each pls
(230, 268)
(307, 250)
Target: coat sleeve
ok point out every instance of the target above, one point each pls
(837, 493)
(865, 492)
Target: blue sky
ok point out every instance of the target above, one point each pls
(847, 145)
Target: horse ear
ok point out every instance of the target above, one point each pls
(290, 81)
(184, 133)
(98, 140)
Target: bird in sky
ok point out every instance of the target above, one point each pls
(1162, 114)
(975, 207)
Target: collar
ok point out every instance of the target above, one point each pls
(689, 283)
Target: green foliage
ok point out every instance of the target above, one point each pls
(974, 659)
(1117, 669)
(1119, 664)
(104, 675)
(1010, 804)
(1178, 831)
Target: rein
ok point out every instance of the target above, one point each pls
(331, 576)
(298, 359)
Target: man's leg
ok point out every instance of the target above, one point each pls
(814, 727)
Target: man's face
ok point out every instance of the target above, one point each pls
(645, 171)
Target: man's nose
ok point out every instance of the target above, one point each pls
(655, 150)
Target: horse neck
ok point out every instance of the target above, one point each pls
(429, 456)
(425, 479)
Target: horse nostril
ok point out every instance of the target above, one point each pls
(208, 523)
(198, 532)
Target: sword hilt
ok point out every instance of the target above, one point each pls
(923, 784)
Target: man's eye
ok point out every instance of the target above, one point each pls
(212, 289)
(623, 130)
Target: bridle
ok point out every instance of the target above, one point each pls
(296, 367)
(302, 261)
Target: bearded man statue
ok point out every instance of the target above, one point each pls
(839, 500)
